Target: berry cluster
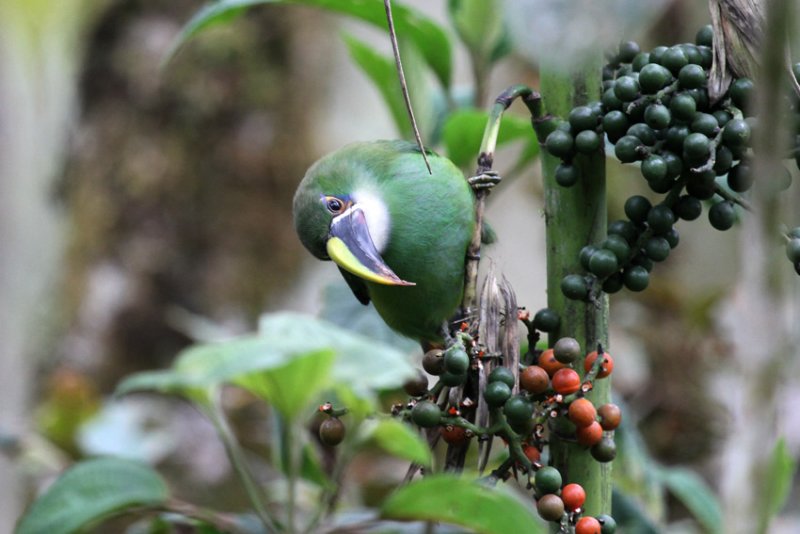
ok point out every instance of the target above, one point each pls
(655, 111)
(547, 399)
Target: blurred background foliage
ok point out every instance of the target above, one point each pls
(161, 216)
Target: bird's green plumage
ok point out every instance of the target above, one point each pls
(431, 221)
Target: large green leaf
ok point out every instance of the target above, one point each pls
(780, 473)
(383, 73)
(397, 439)
(291, 359)
(463, 132)
(694, 493)
(427, 36)
(91, 491)
(170, 382)
(464, 503)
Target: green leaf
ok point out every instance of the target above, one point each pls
(464, 503)
(463, 132)
(90, 491)
(170, 382)
(397, 439)
(382, 72)
(427, 36)
(780, 473)
(691, 490)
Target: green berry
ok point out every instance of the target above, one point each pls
(692, 76)
(636, 278)
(705, 37)
(588, 141)
(426, 414)
(546, 320)
(740, 178)
(657, 248)
(705, 123)
(502, 374)
(626, 88)
(637, 207)
(673, 237)
(696, 148)
(627, 149)
(615, 124)
(607, 523)
(646, 134)
(518, 410)
(654, 168)
(688, 208)
(586, 254)
(567, 175)
(723, 160)
(674, 59)
(741, 92)
(653, 78)
(547, 480)
(560, 144)
(660, 219)
(657, 116)
(627, 51)
(496, 393)
(605, 450)
(722, 215)
(736, 133)
(613, 283)
(582, 118)
(456, 360)
(603, 263)
(683, 107)
(453, 379)
(619, 246)
(574, 286)
(623, 228)
(610, 100)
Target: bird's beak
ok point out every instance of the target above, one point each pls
(351, 247)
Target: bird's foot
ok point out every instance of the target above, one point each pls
(484, 181)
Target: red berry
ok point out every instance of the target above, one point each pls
(548, 362)
(582, 412)
(454, 435)
(566, 381)
(531, 452)
(588, 525)
(589, 435)
(606, 367)
(573, 496)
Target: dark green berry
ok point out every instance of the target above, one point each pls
(628, 149)
(560, 144)
(722, 215)
(654, 167)
(793, 250)
(582, 118)
(615, 124)
(619, 246)
(502, 374)
(705, 123)
(736, 133)
(627, 51)
(636, 278)
(688, 208)
(518, 409)
(625, 229)
(705, 37)
(692, 76)
(574, 286)
(660, 219)
(657, 116)
(546, 320)
(496, 393)
(637, 207)
(567, 175)
(741, 92)
(740, 178)
(674, 59)
(683, 107)
(588, 141)
(603, 263)
(426, 414)
(547, 480)
(657, 248)
(456, 360)
(626, 88)
(653, 77)
(696, 147)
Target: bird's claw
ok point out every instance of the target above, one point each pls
(484, 181)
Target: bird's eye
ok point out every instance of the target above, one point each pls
(334, 205)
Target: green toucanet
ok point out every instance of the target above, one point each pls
(398, 234)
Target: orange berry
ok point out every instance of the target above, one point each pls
(582, 412)
(548, 362)
(589, 435)
(610, 416)
(573, 496)
(606, 367)
(588, 525)
(566, 381)
(534, 379)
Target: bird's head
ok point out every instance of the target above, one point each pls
(340, 215)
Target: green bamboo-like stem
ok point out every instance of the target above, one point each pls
(575, 217)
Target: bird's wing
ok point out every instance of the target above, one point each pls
(357, 286)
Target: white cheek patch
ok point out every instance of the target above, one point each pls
(377, 216)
